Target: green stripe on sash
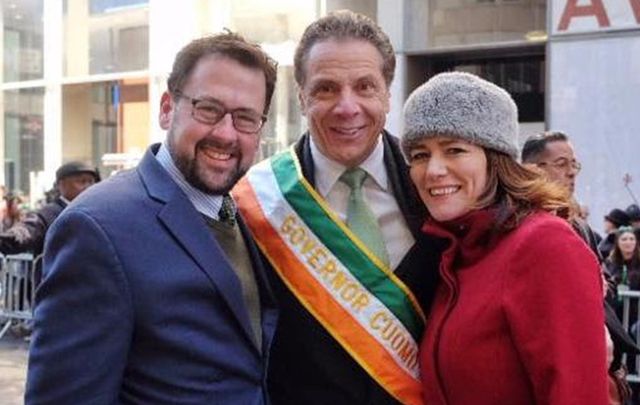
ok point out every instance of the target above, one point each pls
(336, 240)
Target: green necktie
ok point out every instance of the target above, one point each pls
(360, 218)
(227, 213)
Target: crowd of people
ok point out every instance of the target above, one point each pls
(441, 265)
(24, 230)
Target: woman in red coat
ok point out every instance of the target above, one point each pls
(517, 317)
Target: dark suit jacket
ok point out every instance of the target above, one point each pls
(140, 306)
(307, 365)
(622, 342)
(35, 226)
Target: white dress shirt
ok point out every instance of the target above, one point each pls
(377, 193)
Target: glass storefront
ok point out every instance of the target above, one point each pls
(22, 32)
(277, 25)
(105, 118)
(105, 36)
(93, 102)
(23, 137)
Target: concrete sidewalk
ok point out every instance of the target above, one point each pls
(13, 369)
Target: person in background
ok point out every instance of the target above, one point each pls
(623, 262)
(28, 235)
(338, 219)
(516, 277)
(553, 153)
(3, 193)
(612, 221)
(153, 290)
(12, 213)
(633, 211)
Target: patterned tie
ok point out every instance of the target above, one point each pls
(360, 218)
(227, 213)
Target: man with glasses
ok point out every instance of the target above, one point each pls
(153, 291)
(553, 153)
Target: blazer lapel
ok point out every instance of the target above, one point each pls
(302, 149)
(190, 230)
(403, 188)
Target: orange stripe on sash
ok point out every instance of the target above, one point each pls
(363, 347)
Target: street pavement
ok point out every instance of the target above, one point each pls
(13, 369)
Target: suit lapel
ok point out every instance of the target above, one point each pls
(303, 151)
(190, 230)
(403, 188)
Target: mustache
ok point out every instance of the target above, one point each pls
(227, 146)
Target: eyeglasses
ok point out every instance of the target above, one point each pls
(563, 164)
(211, 112)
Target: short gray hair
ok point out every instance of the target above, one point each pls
(344, 25)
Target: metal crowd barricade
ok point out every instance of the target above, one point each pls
(18, 281)
(631, 305)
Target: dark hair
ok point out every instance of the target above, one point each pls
(14, 211)
(344, 25)
(230, 45)
(518, 191)
(535, 145)
(633, 211)
(616, 254)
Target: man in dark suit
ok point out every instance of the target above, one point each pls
(153, 292)
(339, 340)
(72, 178)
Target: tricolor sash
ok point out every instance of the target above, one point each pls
(364, 306)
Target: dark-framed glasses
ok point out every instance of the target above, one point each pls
(563, 164)
(210, 112)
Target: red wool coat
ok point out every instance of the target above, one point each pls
(517, 319)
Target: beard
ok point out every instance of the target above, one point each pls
(208, 180)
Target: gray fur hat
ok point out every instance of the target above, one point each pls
(464, 106)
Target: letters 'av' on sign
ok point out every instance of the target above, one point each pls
(581, 16)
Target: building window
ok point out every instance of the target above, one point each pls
(105, 36)
(23, 51)
(519, 71)
(523, 78)
(277, 25)
(471, 22)
(105, 118)
(23, 137)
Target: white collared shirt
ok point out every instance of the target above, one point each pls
(377, 192)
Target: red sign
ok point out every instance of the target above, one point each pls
(594, 15)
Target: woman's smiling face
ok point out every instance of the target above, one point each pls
(627, 244)
(450, 175)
